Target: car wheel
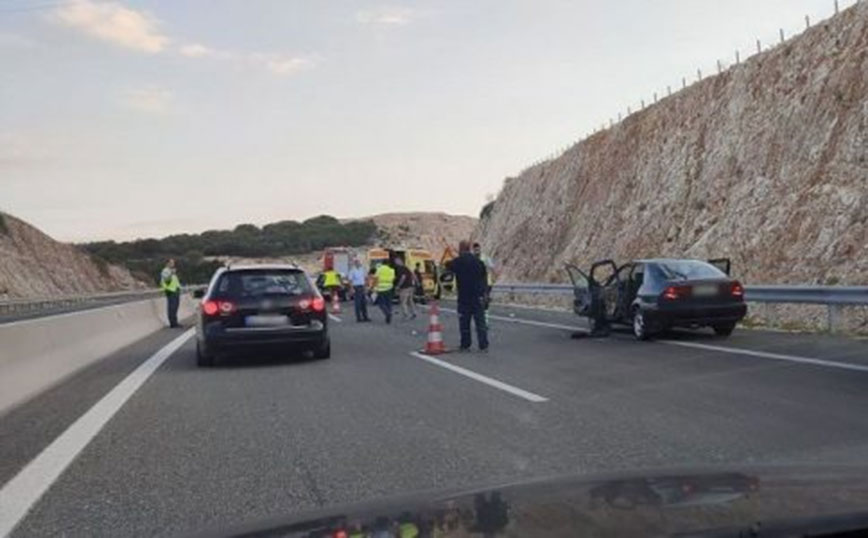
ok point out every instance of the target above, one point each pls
(203, 359)
(324, 350)
(723, 329)
(640, 326)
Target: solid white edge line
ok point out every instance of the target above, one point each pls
(335, 318)
(768, 355)
(25, 489)
(707, 347)
(515, 391)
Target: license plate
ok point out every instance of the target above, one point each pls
(705, 291)
(266, 321)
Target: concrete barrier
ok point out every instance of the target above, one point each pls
(36, 354)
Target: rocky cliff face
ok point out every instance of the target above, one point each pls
(766, 163)
(35, 265)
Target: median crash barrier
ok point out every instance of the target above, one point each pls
(36, 354)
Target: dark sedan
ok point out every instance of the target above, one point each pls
(258, 307)
(653, 295)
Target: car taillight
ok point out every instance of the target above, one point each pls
(340, 534)
(673, 293)
(212, 308)
(318, 304)
(737, 290)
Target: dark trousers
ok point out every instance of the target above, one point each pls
(173, 300)
(473, 310)
(384, 301)
(360, 301)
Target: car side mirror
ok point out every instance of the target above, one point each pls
(198, 294)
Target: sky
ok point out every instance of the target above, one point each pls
(126, 119)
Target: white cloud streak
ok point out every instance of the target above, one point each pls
(386, 16)
(114, 23)
(151, 99)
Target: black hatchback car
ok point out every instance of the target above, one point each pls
(259, 306)
(654, 295)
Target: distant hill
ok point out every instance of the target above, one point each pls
(32, 264)
(426, 230)
(198, 255)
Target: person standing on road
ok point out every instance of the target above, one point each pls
(384, 281)
(360, 299)
(405, 287)
(332, 283)
(472, 279)
(171, 286)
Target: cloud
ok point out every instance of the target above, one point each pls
(114, 23)
(195, 50)
(281, 64)
(386, 16)
(150, 99)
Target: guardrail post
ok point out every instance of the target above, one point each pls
(835, 312)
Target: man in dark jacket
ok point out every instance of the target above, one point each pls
(472, 279)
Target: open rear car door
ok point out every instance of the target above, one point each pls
(605, 274)
(724, 264)
(581, 290)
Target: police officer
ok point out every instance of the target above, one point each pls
(171, 286)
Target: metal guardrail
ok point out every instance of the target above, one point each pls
(835, 298)
(824, 295)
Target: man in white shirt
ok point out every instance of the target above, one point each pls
(357, 278)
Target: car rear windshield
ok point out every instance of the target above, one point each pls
(688, 270)
(259, 283)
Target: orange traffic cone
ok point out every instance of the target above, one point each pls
(434, 346)
(336, 302)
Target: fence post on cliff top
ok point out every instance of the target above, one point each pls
(782, 35)
(737, 58)
(759, 46)
(807, 22)
(836, 7)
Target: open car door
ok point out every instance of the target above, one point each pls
(605, 274)
(724, 264)
(581, 290)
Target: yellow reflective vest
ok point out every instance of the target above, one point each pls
(169, 281)
(385, 278)
(332, 279)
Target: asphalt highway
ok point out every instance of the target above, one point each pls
(188, 449)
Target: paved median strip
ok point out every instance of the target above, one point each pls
(515, 391)
(21, 493)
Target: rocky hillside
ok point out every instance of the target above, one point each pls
(35, 265)
(426, 230)
(766, 163)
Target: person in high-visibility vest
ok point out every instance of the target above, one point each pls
(332, 283)
(384, 282)
(171, 286)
